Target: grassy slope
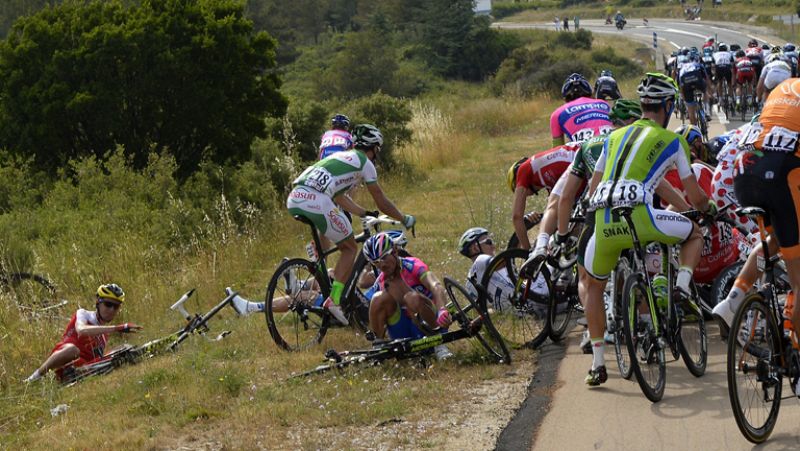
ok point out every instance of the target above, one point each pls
(233, 393)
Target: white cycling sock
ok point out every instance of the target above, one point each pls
(734, 298)
(598, 352)
(541, 241)
(684, 279)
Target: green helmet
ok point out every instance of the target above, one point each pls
(625, 109)
(656, 87)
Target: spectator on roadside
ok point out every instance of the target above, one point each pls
(557, 23)
(566, 23)
(577, 21)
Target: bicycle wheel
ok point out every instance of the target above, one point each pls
(648, 359)
(521, 316)
(621, 272)
(295, 317)
(755, 377)
(368, 357)
(466, 311)
(723, 284)
(32, 291)
(72, 375)
(563, 302)
(692, 338)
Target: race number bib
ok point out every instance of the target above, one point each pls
(780, 139)
(583, 135)
(750, 136)
(627, 193)
(318, 179)
(334, 141)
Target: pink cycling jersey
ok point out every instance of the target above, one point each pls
(412, 270)
(581, 119)
(544, 169)
(334, 141)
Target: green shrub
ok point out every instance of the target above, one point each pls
(581, 39)
(391, 115)
(301, 128)
(607, 58)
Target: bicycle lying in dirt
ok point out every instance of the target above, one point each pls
(295, 317)
(195, 324)
(474, 329)
(32, 293)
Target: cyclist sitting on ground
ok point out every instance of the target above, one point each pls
(766, 175)
(693, 77)
(84, 340)
(337, 139)
(527, 176)
(310, 293)
(605, 87)
(633, 162)
(776, 71)
(581, 116)
(322, 188)
(408, 289)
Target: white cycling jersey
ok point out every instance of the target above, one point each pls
(774, 73)
(723, 59)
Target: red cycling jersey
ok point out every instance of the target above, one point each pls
(91, 347)
(721, 248)
(543, 169)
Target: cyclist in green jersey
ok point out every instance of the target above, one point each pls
(322, 188)
(628, 172)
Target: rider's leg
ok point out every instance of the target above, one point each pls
(59, 358)
(381, 310)
(692, 110)
(793, 268)
(595, 310)
(343, 268)
(418, 304)
(548, 224)
(689, 258)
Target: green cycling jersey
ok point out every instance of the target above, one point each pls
(338, 173)
(586, 158)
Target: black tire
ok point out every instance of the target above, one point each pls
(563, 301)
(648, 358)
(296, 283)
(465, 311)
(723, 283)
(754, 371)
(692, 338)
(522, 320)
(32, 291)
(621, 272)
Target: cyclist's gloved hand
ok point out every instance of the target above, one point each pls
(127, 328)
(712, 208)
(409, 221)
(443, 318)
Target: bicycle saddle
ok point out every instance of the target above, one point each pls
(750, 211)
(304, 220)
(622, 211)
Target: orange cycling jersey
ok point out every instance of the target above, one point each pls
(780, 119)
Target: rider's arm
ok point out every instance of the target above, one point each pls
(565, 201)
(348, 204)
(672, 196)
(383, 202)
(86, 329)
(518, 215)
(431, 282)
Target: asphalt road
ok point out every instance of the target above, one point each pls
(695, 413)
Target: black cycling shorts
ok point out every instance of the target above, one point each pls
(772, 181)
(688, 90)
(723, 73)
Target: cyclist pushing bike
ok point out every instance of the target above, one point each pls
(85, 338)
(320, 191)
(628, 173)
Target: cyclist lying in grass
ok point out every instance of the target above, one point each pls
(84, 340)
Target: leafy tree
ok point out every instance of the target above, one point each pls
(185, 76)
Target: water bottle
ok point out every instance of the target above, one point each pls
(660, 290)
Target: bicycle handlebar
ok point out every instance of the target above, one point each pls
(178, 306)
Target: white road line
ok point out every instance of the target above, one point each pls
(676, 45)
(688, 33)
(721, 116)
